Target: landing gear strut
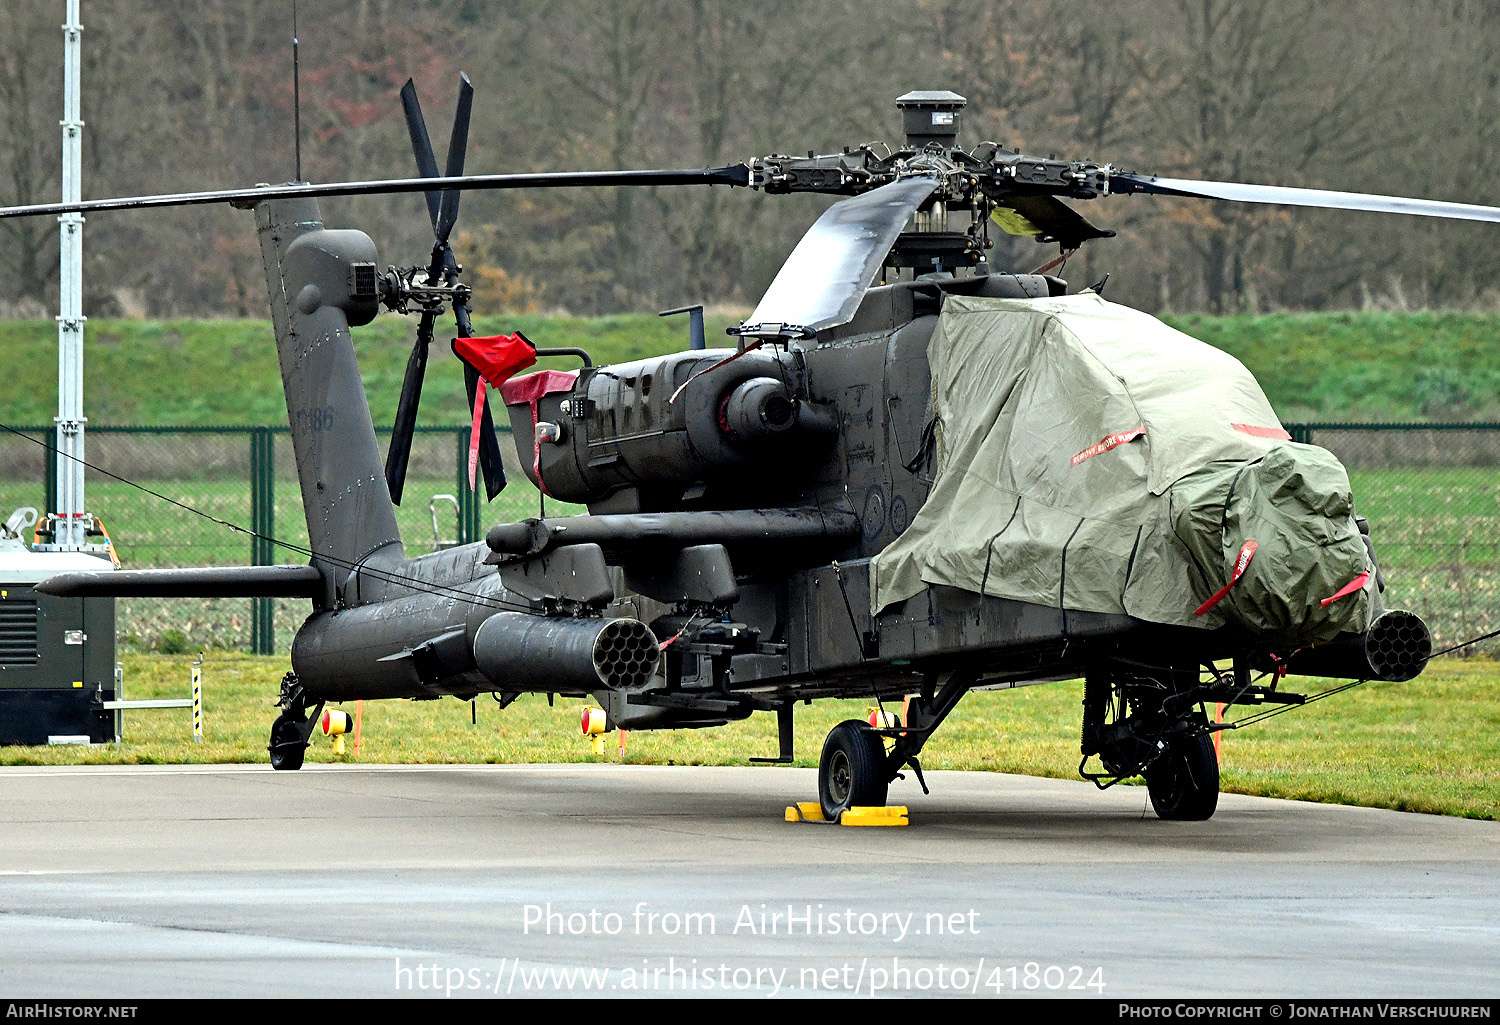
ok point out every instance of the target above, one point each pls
(293, 728)
(856, 770)
(1146, 721)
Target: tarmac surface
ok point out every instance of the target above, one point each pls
(509, 881)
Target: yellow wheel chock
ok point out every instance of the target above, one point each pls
(812, 811)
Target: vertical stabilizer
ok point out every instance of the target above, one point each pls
(320, 282)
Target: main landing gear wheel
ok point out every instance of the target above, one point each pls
(852, 771)
(1184, 781)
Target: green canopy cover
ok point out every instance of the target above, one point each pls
(1090, 457)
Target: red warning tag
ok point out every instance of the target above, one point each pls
(1108, 443)
(1349, 588)
(474, 432)
(1262, 432)
(1241, 563)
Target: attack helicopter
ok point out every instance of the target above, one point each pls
(911, 475)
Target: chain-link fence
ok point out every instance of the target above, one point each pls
(1430, 491)
(1432, 495)
(245, 476)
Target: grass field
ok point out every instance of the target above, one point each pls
(1431, 745)
(1365, 366)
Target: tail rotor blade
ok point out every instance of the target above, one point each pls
(399, 453)
(421, 145)
(1239, 192)
(458, 143)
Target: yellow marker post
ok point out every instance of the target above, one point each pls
(335, 723)
(198, 700)
(594, 722)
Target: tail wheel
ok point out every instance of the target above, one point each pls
(1184, 781)
(288, 743)
(852, 771)
(293, 728)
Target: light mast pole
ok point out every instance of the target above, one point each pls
(71, 523)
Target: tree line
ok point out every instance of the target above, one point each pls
(1385, 96)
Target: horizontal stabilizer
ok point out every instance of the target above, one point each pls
(202, 582)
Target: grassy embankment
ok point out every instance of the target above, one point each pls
(1313, 366)
(218, 372)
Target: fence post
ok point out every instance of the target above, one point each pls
(263, 519)
(51, 485)
(468, 498)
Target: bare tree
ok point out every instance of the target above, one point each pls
(1370, 95)
(31, 156)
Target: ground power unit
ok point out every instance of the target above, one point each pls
(57, 655)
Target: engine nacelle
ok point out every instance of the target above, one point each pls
(615, 438)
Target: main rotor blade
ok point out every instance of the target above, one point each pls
(822, 282)
(421, 144)
(1241, 193)
(458, 142)
(734, 174)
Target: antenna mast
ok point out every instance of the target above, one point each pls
(296, 92)
(71, 523)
